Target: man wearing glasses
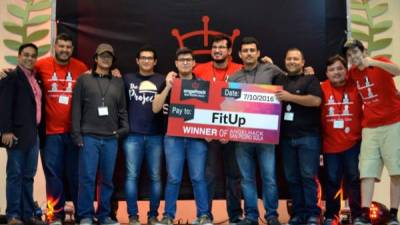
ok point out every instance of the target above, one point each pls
(144, 142)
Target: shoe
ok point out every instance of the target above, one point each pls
(393, 221)
(203, 220)
(152, 221)
(14, 221)
(247, 221)
(295, 220)
(108, 221)
(34, 221)
(235, 221)
(86, 221)
(362, 221)
(332, 221)
(55, 221)
(273, 220)
(314, 220)
(134, 220)
(166, 220)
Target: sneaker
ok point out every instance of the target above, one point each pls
(166, 220)
(108, 221)
(235, 221)
(34, 221)
(273, 220)
(134, 220)
(55, 221)
(86, 221)
(332, 221)
(203, 220)
(247, 221)
(14, 221)
(295, 220)
(314, 220)
(362, 221)
(152, 221)
(393, 221)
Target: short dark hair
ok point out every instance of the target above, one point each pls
(352, 43)
(64, 37)
(146, 48)
(250, 40)
(183, 51)
(27, 45)
(295, 49)
(331, 60)
(222, 37)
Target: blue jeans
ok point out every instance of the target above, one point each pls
(300, 158)
(231, 174)
(97, 156)
(21, 170)
(177, 149)
(59, 158)
(339, 166)
(138, 147)
(247, 154)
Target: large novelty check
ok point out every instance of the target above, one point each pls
(220, 110)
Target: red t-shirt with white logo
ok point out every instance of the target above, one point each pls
(379, 95)
(58, 84)
(341, 114)
(207, 71)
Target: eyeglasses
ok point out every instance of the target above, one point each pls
(146, 58)
(219, 47)
(185, 60)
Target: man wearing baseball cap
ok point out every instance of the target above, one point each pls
(99, 118)
(380, 125)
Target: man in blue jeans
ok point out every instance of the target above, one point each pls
(144, 141)
(300, 140)
(20, 111)
(179, 149)
(99, 118)
(247, 154)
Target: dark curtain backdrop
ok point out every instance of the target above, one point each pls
(318, 27)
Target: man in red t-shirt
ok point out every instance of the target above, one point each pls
(219, 69)
(380, 145)
(59, 156)
(341, 134)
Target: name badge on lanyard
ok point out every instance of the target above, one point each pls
(338, 124)
(102, 110)
(288, 116)
(63, 99)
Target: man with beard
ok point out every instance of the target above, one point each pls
(254, 72)
(58, 75)
(219, 69)
(300, 137)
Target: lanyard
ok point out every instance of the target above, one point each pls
(339, 105)
(66, 74)
(103, 95)
(225, 77)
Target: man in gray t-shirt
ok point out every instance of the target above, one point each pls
(255, 73)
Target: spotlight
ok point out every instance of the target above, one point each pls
(379, 213)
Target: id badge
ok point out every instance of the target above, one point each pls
(338, 124)
(288, 116)
(102, 110)
(63, 99)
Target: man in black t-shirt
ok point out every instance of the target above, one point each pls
(144, 142)
(300, 140)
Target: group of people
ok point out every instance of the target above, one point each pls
(352, 118)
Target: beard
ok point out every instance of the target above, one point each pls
(219, 61)
(62, 60)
